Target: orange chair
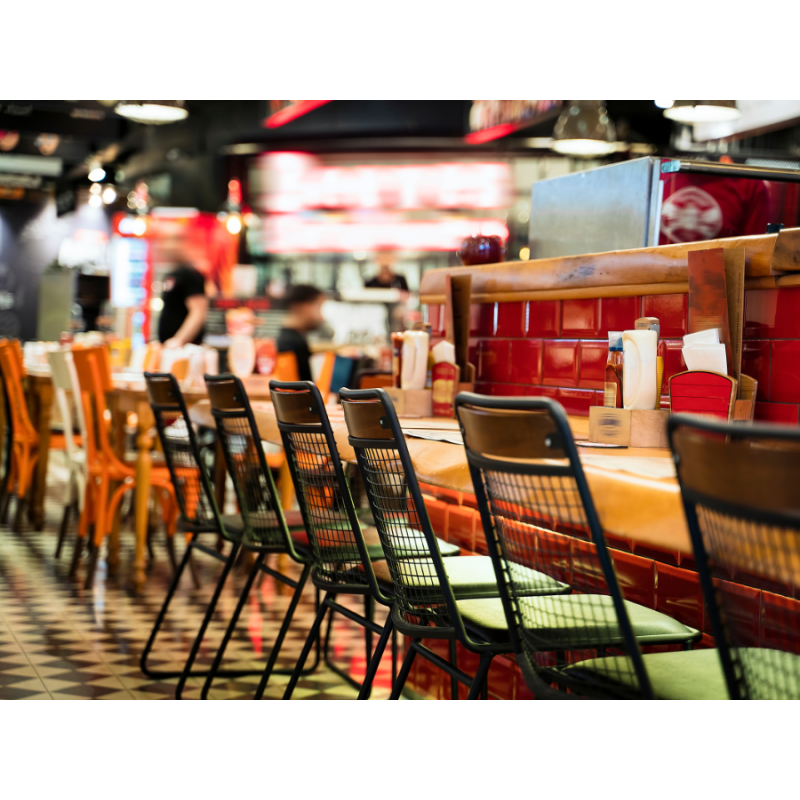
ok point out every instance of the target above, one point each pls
(25, 441)
(323, 381)
(94, 375)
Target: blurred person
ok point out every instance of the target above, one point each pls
(305, 315)
(387, 278)
(185, 296)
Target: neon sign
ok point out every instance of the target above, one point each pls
(299, 181)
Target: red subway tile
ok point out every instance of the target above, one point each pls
(521, 690)
(785, 372)
(636, 577)
(780, 622)
(473, 355)
(461, 527)
(662, 555)
(475, 317)
(501, 678)
(580, 318)
(540, 391)
(554, 555)
(576, 401)
(507, 390)
(742, 610)
(427, 678)
(435, 317)
(493, 357)
(469, 500)
(560, 363)
(672, 311)
(526, 361)
(772, 313)
(437, 512)
(671, 352)
(755, 363)
(678, 594)
(510, 320)
(593, 358)
(483, 388)
(587, 573)
(779, 413)
(484, 321)
(543, 318)
(618, 313)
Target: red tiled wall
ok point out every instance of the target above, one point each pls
(664, 580)
(558, 348)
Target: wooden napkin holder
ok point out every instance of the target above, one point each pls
(628, 427)
(713, 394)
(411, 402)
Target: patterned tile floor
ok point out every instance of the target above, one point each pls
(58, 641)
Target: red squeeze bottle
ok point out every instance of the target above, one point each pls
(397, 358)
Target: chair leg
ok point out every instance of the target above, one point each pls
(287, 621)
(369, 613)
(62, 532)
(480, 676)
(193, 569)
(204, 624)
(18, 514)
(328, 637)
(94, 552)
(454, 662)
(160, 618)
(245, 593)
(171, 551)
(77, 552)
(394, 654)
(375, 661)
(312, 634)
(408, 661)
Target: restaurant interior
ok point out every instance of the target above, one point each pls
(276, 373)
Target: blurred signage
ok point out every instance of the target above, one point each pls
(298, 181)
(758, 116)
(491, 119)
(86, 248)
(295, 233)
(283, 111)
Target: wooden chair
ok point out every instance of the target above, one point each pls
(104, 466)
(25, 438)
(323, 382)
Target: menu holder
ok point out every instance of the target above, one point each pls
(445, 382)
(458, 296)
(700, 392)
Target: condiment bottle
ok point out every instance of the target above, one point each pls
(397, 358)
(612, 397)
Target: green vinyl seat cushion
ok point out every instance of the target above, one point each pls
(581, 621)
(684, 675)
(470, 576)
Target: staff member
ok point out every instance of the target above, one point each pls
(183, 317)
(305, 315)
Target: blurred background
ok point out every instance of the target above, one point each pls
(99, 200)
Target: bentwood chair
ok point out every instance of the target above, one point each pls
(537, 511)
(266, 528)
(65, 379)
(741, 492)
(199, 518)
(8, 447)
(455, 600)
(109, 477)
(24, 437)
(343, 550)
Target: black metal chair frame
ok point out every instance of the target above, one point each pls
(731, 667)
(215, 526)
(564, 441)
(219, 385)
(311, 417)
(457, 631)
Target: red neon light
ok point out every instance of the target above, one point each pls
(289, 233)
(299, 109)
(298, 181)
(488, 135)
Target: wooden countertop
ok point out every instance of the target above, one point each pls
(635, 489)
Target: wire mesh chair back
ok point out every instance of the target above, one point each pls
(538, 514)
(329, 514)
(264, 523)
(187, 470)
(423, 596)
(741, 493)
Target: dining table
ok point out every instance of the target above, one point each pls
(128, 397)
(635, 489)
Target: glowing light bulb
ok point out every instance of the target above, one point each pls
(109, 195)
(95, 188)
(524, 253)
(95, 200)
(139, 227)
(97, 174)
(234, 224)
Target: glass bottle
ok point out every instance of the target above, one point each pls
(612, 397)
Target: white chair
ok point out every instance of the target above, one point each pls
(65, 382)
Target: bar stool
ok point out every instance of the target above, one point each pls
(104, 467)
(65, 379)
(343, 551)
(427, 605)
(741, 492)
(199, 517)
(266, 528)
(529, 482)
(24, 437)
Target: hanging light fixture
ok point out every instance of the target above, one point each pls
(584, 129)
(691, 112)
(152, 112)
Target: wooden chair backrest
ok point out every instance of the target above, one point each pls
(11, 364)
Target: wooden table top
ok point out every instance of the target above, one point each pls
(634, 489)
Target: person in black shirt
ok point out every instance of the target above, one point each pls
(305, 315)
(183, 316)
(387, 278)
